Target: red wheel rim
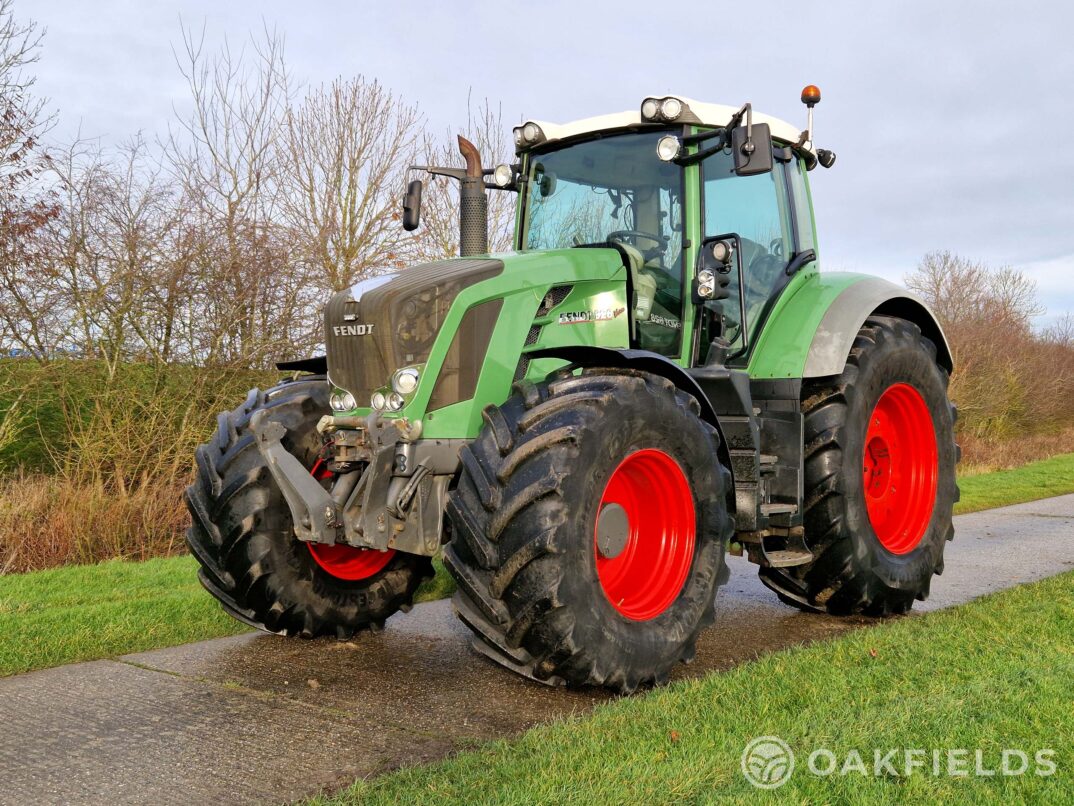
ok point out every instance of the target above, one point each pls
(900, 468)
(645, 577)
(341, 561)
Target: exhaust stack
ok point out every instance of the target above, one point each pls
(473, 204)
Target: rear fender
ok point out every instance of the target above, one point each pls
(813, 325)
(845, 316)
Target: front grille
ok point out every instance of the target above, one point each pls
(395, 324)
(554, 296)
(533, 335)
(522, 368)
(465, 357)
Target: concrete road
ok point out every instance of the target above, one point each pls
(260, 719)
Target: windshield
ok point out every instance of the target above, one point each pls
(611, 188)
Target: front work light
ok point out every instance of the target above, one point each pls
(706, 283)
(671, 108)
(668, 147)
(666, 110)
(527, 135)
(503, 175)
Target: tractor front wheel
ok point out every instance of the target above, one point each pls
(243, 536)
(880, 483)
(590, 522)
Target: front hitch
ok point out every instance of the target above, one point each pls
(396, 503)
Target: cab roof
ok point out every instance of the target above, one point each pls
(697, 113)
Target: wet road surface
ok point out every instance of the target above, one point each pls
(256, 718)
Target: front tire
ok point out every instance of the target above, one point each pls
(590, 522)
(880, 484)
(242, 533)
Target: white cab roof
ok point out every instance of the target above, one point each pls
(708, 115)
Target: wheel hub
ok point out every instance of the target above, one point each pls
(900, 468)
(644, 535)
(613, 531)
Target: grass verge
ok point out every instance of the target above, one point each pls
(85, 612)
(986, 676)
(1043, 479)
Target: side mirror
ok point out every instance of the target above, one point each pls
(752, 149)
(412, 206)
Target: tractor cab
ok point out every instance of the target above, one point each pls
(663, 186)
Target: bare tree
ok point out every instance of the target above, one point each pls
(25, 207)
(346, 149)
(964, 292)
(228, 165)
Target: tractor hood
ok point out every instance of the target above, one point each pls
(383, 324)
(388, 322)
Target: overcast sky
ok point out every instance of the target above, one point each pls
(951, 121)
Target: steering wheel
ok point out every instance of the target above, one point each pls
(776, 247)
(634, 234)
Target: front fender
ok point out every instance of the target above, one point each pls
(644, 361)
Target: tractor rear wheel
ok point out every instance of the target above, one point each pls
(880, 485)
(243, 537)
(590, 522)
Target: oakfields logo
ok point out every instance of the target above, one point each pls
(768, 762)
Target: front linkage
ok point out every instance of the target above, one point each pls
(390, 491)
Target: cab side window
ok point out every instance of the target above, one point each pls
(803, 210)
(757, 209)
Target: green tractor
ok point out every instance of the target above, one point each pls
(657, 375)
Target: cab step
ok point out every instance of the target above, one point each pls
(780, 550)
(778, 509)
(785, 558)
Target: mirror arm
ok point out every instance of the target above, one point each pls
(695, 139)
(436, 170)
(692, 159)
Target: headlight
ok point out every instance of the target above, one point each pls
(671, 108)
(395, 401)
(342, 401)
(379, 401)
(706, 283)
(668, 147)
(503, 175)
(405, 381)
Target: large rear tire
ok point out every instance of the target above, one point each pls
(242, 533)
(590, 522)
(880, 484)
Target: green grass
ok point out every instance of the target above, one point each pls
(85, 612)
(993, 674)
(1029, 482)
